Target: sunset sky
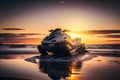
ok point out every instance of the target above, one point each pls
(28, 21)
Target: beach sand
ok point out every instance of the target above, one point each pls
(87, 67)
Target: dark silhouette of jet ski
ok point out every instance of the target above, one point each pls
(59, 43)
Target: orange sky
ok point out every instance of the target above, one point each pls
(74, 16)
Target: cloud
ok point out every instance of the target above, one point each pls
(113, 40)
(13, 35)
(21, 40)
(111, 36)
(95, 32)
(31, 34)
(10, 35)
(12, 29)
(26, 38)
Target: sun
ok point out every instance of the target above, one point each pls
(73, 35)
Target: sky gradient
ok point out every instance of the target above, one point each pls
(28, 21)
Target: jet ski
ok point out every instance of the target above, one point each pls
(59, 43)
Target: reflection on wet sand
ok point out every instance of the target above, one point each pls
(33, 67)
(59, 70)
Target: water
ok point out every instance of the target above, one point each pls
(33, 49)
(101, 63)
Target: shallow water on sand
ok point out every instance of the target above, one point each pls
(87, 67)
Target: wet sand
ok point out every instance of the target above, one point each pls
(87, 67)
